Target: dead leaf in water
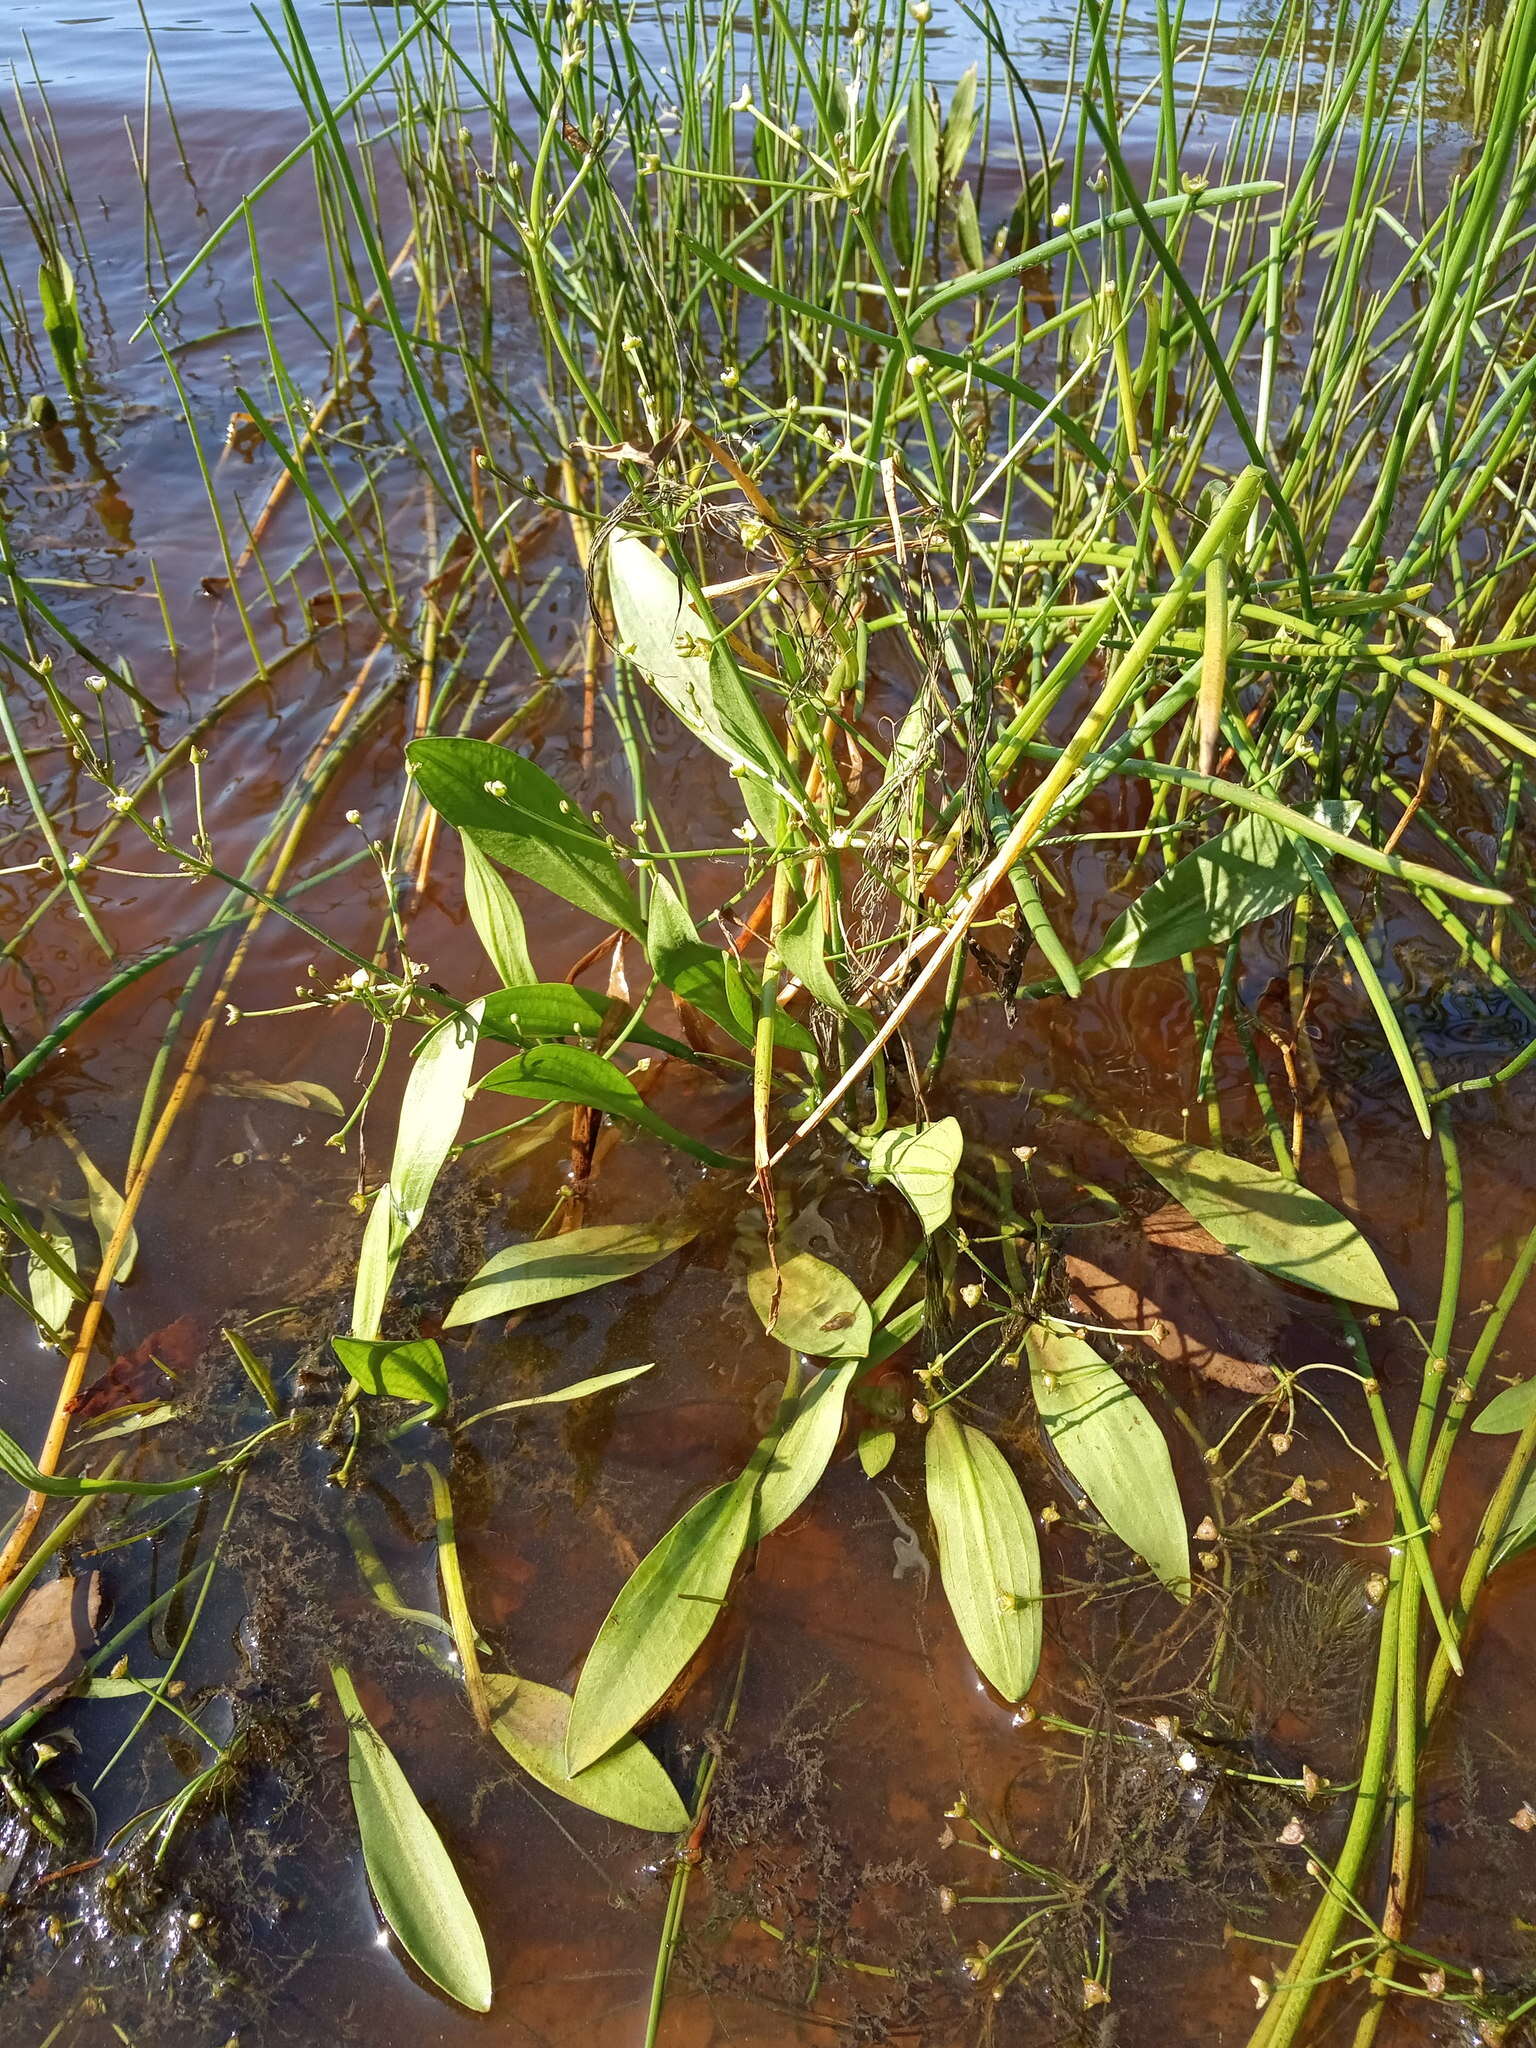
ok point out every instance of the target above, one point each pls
(44, 1648)
(1168, 1281)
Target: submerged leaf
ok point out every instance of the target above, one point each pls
(578, 1390)
(1182, 1294)
(44, 1647)
(104, 1203)
(1273, 1222)
(1106, 1437)
(549, 1269)
(417, 1888)
(404, 1372)
(569, 1073)
(517, 815)
(49, 1292)
(811, 1307)
(876, 1448)
(923, 1164)
(665, 1609)
(628, 1784)
(989, 1559)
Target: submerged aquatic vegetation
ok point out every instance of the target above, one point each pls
(949, 478)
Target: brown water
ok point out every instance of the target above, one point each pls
(860, 1719)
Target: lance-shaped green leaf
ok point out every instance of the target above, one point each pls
(664, 1610)
(1249, 871)
(521, 1276)
(534, 1011)
(802, 946)
(1108, 1441)
(59, 295)
(1520, 1530)
(532, 1722)
(495, 916)
(520, 817)
(578, 1390)
(669, 1602)
(1508, 1412)
(411, 1371)
(811, 1306)
(569, 1073)
(431, 1110)
(416, 1886)
(709, 977)
(922, 1163)
(685, 658)
(1272, 1222)
(989, 1559)
(804, 1451)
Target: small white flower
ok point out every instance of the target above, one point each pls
(496, 788)
(96, 683)
(360, 977)
(1061, 217)
(120, 801)
(918, 366)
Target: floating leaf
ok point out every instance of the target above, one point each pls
(1249, 871)
(664, 1610)
(550, 1268)
(628, 1784)
(989, 1560)
(569, 1073)
(531, 1012)
(44, 1647)
(1106, 1437)
(876, 1449)
(922, 1163)
(496, 918)
(1508, 1413)
(811, 1307)
(520, 817)
(417, 1887)
(686, 659)
(804, 1451)
(404, 1372)
(1273, 1222)
(710, 978)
